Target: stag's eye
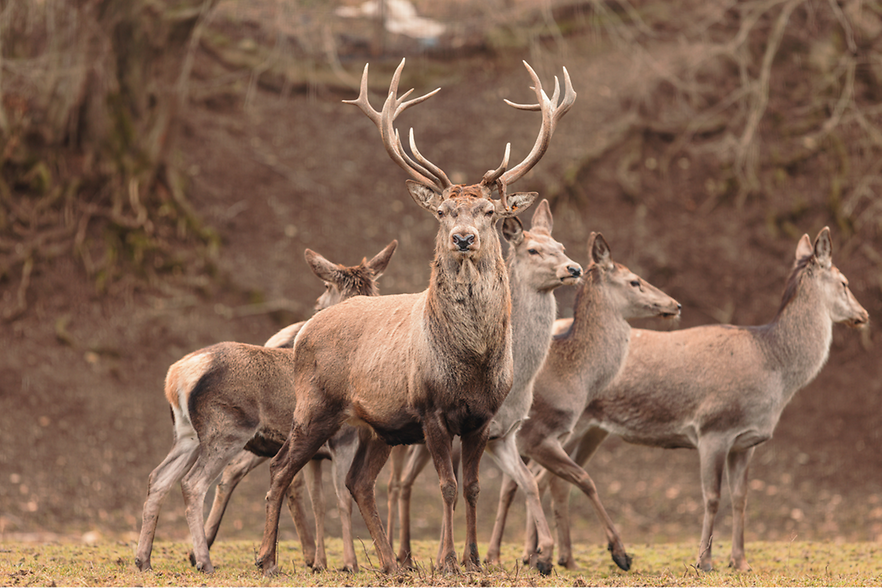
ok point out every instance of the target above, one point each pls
(489, 212)
(532, 252)
(635, 283)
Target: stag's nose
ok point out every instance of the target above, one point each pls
(574, 270)
(463, 241)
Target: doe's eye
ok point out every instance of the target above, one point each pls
(532, 252)
(635, 283)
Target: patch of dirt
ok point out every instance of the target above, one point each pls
(83, 415)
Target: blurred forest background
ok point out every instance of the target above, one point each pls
(164, 163)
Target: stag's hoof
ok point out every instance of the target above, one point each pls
(268, 568)
(143, 566)
(205, 567)
(622, 559)
(740, 566)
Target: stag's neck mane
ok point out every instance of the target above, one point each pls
(798, 339)
(468, 303)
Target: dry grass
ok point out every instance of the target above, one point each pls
(111, 564)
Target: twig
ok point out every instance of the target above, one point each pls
(747, 150)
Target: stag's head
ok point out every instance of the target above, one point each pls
(467, 214)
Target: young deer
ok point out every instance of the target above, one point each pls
(230, 387)
(341, 283)
(416, 367)
(720, 388)
(537, 265)
(579, 362)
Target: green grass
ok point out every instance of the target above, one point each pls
(112, 564)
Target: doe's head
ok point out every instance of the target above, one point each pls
(535, 255)
(632, 295)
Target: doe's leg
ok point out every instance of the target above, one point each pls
(551, 455)
(179, 460)
(712, 455)
(737, 466)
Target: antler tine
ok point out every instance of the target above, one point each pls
(432, 168)
(392, 107)
(362, 101)
(551, 113)
(492, 175)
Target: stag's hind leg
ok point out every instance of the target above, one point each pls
(178, 461)
(551, 455)
(736, 470)
(369, 459)
(417, 458)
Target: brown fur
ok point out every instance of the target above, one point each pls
(583, 359)
(720, 388)
(229, 396)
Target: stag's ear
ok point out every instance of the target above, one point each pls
(378, 264)
(542, 218)
(321, 267)
(803, 248)
(824, 248)
(599, 249)
(425, 196)
(513, 230)
(517, 203)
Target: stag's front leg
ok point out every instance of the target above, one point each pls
(439, 443)
(737, 469)
(297, 450)
(472, 449)
(712, 455)
(369, 459)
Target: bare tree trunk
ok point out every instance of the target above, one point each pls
(88, 117)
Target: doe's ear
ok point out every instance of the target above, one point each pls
(803, 248)
(824, 248)
(378, 264)
(517, 203)
(425, 196)
(321, 267)
(542, 218)
(599, 249)
(513, 230)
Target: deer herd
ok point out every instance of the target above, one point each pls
(481, 355)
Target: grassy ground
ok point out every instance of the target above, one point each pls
(111, 564)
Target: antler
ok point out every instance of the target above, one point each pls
(422, 170)
(551, 113)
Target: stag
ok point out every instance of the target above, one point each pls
(579, 362)
(720, 389)
(229, 396)
(537, 265)
(416, 367)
